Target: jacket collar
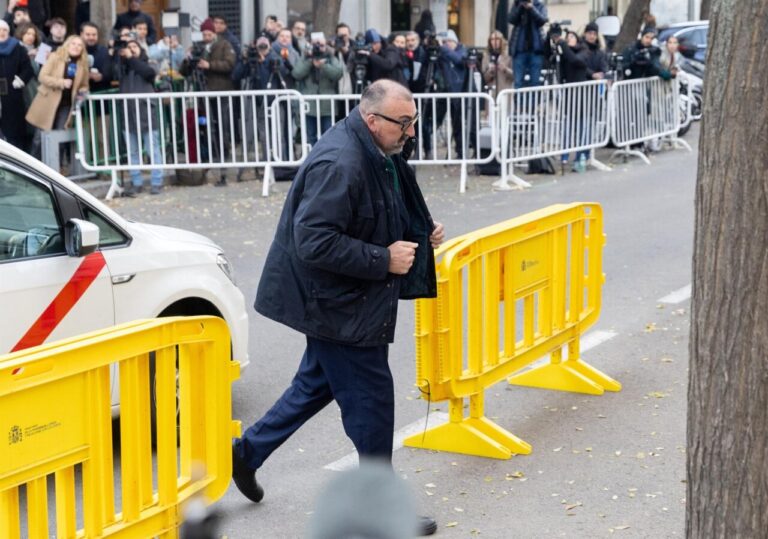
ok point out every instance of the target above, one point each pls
(358, 127)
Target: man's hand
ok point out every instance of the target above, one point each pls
(95, 76)
(318, 63)
(401, 255)
(203, 64)
(125, 52)
(11, 5)
(598, 76)
(438, 235)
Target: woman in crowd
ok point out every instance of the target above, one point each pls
(497, 65)
(670, 59)
(62, 79)
(30, 39)
(15, 72)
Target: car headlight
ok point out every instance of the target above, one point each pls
(226, 267)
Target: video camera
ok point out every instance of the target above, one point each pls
(120, 42)
(557, 29)
(196, 53)
(359, 44)
(432, 46)
(339, 43)
(472, 59)
(317, 51)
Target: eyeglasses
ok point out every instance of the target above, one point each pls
(404, 124)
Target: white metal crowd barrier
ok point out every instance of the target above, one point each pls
(552, 120)
(645, 110)
(190, 130)
(218, 130)
(448, 130)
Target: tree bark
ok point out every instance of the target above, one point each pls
(630, 26)
(705, 9)
(326, 16)
(727, 456)
(102, 16)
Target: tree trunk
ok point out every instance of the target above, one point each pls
(102, 16)
(727, 456)
(326, 16)
(704, 11)
(630, 26)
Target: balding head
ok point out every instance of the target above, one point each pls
(378, 95)
(389, 112)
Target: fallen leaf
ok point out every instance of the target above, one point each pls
(451, 524)
(573, 506)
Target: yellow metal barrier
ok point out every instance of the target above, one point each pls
(533, 285)
(55, 411)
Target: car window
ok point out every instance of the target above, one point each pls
(700, 37)
(29, 222)
(109, 236)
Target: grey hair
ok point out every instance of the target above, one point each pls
(377, 93)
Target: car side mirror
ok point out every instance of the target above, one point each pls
(80, 237)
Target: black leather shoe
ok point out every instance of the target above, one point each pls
(245, 479)
(427, 526)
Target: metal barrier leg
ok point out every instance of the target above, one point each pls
(475, 435)
(627, 151)
(114, 187)
(572, 375)
(267, 181)
(502, 184)
(677, 142)
(599, 165)
(463, 180)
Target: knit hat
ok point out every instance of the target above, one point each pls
(207, 25)
(450, 35)
(372, 36)
(591, 27)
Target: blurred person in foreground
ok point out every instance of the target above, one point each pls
(355, 235)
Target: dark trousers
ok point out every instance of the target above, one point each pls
(360, 381)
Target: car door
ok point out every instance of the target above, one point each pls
(45, 294)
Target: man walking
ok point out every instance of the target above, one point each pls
(354, 236)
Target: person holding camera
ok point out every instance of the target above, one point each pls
(318, 73)
(141, 120)
(497, 65)
(384, 61)
(643, 57)
(453, 62)
(283, 47)
(261, 68)
(342, 47)
(526, 46)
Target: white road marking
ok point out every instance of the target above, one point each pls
(678, 296)
(350, 461)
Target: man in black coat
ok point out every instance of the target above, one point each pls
(597, 59)
(100, 76)
(354, 237)
(134, 15)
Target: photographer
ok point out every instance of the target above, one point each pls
(497, 65)
(384, 61)
(283, 47)
(643, 58)
(526, 46)
(260, 69)
(216, 60)
(318, 73)
(138, 77)
(453, 62)
(597, 59)
(342, 47)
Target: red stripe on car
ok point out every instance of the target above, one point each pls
(85, 274)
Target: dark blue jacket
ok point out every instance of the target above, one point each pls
(452, 67)
(526, 34)
(326, 274)
(103, 62)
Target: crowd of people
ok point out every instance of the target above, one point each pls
(45, 70)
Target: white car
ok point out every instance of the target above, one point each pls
(69, 265)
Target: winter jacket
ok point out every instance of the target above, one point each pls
(597, 60)
(218, 76)
(102, 61)
(389, 63)
(292, 60)
(574, 63)
(526, 34)
(312, 81)
(327, 271)
(502, 77)
(642, 61)
(138, 77)
(42, 112)
(453, 69)
(14, 62)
